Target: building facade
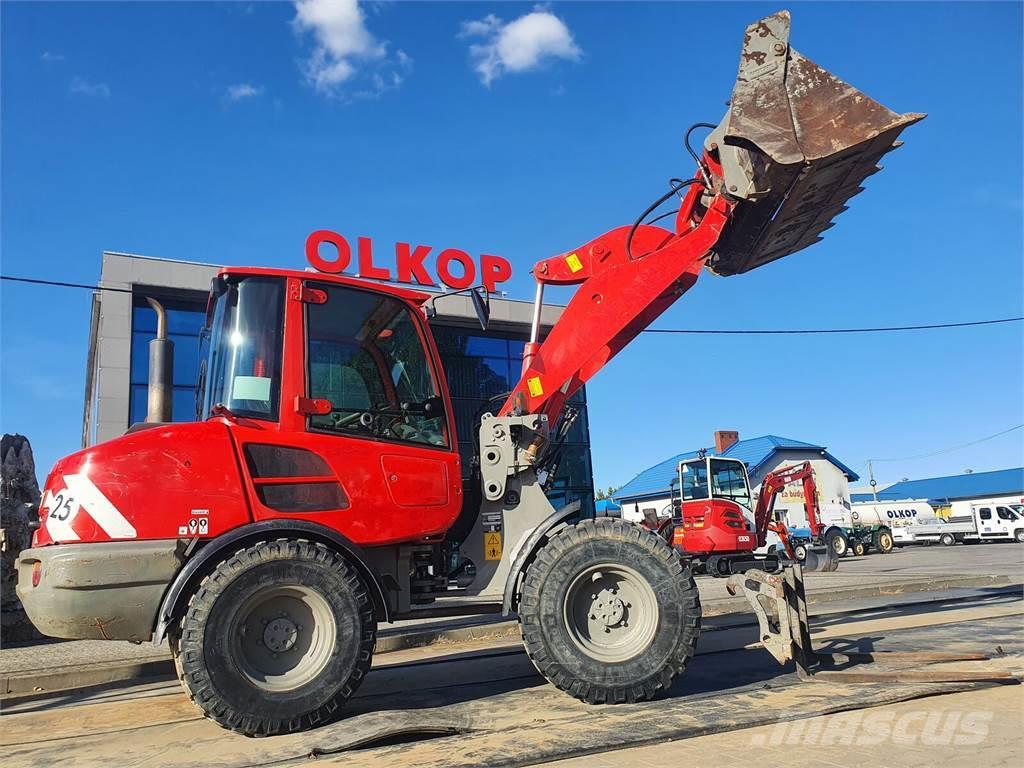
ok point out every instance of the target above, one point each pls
(650, 490)
(479, 365)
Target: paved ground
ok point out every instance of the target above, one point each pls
(483, 704)
(983, 728)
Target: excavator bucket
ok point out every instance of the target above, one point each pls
(795, 146)
(821, 559)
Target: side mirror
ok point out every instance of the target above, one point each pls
(481, 305)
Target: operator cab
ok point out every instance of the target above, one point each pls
(713, 477)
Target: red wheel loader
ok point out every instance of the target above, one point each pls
(319, 493)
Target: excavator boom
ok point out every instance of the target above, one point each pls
(794, 147)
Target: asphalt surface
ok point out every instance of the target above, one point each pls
(481, 702)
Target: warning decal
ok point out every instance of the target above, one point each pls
(492, 546)
(536, 390)
(575, 265)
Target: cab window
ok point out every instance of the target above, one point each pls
(728, 481)
(695, 481)
(367, 357)
(1005, 513)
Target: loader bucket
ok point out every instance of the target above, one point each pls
(795, 146)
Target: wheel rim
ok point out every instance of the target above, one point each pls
(839, 545)
(611, 612)
(284, 636)
(800, 552)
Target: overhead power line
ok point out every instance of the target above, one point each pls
(955, 447)
(754, 331)
(884, 329)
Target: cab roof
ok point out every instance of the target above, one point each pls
(408, 294)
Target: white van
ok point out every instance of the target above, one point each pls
(900, 516)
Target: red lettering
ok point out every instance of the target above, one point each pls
(366, 267)
(494, 270)
(313, 256)
(444, 261)
(410, 264)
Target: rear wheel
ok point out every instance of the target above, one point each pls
(608, 612)
(276, 638)
(837, 542)
(947, 540)
(882, 541)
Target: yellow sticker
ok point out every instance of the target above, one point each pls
(536, 390)
(492, 546)
(575, 265)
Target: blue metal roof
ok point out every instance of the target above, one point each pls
(1002, 482)
(754, 453)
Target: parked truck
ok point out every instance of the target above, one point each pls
(983, 522)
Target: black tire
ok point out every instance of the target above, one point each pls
(1018, 535)
(859, 549)
(332, 634)
(837, 542)
(571, 657)
(947, 540)
(800, 552)
(882, 541)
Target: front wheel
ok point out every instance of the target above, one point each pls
(1018, 535)
(276, 638)
(883, 541)
(859, 549)
(608, 612)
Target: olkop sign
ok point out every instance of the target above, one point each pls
(328, 251)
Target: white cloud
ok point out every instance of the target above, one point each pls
(519, 45)
(88, 88)
(346, 52)
(52, 58)
(242, 91)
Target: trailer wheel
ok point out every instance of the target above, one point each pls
(276, 638)
(608, 612)
(947, 540)
(882, 541)
(837, 542)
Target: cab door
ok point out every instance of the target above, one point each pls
(372, 409)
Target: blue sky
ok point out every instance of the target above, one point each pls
(225, 132)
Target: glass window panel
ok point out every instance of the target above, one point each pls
(183, 404)
(137, 404)
(140, 357)
(477, 377)
(186, 360)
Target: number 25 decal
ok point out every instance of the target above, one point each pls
(61, 507)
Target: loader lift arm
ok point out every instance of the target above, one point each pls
(795, 145)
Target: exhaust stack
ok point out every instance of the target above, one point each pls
(161, 370)
(795, 146)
